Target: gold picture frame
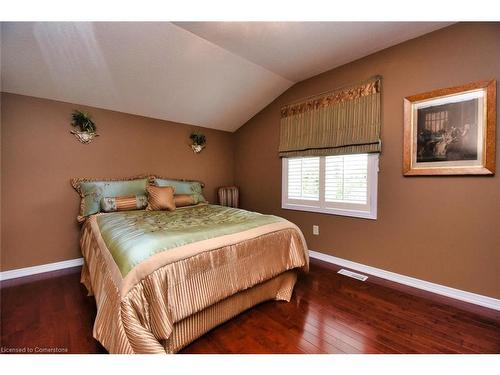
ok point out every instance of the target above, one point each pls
(451, 131)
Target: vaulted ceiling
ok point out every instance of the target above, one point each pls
(212, 74)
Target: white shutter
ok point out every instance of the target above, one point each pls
(303, 178)
(346, 178)
(340, 185)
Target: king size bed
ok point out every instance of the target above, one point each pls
(161, 279)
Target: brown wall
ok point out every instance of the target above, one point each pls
(39, 156)
(441, 229)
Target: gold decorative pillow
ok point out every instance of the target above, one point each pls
(160, 198)
(183, 200)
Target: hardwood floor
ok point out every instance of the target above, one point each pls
(328, 313)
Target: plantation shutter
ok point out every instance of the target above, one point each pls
(303, 178)
(339, 122)
(346, 178)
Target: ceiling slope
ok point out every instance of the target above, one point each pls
(212, 74)
(152, 69)
(300, 50)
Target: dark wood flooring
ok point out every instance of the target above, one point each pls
(328, 313)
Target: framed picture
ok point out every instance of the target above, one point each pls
(451, 131)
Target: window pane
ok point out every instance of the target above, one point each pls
(346, 178)
(303, 178)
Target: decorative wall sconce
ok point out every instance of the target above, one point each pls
(87, 128)
(199, 141)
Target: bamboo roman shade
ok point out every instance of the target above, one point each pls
(342, 121)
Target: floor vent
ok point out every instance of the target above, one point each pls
(354, 275)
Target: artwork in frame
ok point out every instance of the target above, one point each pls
(451, 131)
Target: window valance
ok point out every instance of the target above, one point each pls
(342, 121)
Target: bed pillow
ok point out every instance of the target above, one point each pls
(160, 198)
(193, 188)
(128, 203)
(184, 200)
(93, 190)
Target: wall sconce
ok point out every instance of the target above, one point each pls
(198, 142)
(87, 128)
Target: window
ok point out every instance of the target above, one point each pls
(340, 185)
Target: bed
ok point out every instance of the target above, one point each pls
(162, 279)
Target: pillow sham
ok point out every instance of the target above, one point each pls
(160, 198)
(193, 188)
(128, 203)
(93, 190)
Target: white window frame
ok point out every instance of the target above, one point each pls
(366, 211)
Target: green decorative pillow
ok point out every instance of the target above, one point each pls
(130, 203)
(184, 188)
(92, 191)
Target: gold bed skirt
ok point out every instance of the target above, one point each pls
(194, 326)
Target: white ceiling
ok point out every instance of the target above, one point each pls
(299, 50)
(212, 74)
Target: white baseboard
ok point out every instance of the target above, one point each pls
(458, 294)
(21, 272)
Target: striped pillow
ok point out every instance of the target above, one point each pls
(127, 203)
(160, 198)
